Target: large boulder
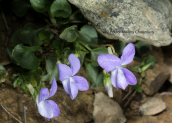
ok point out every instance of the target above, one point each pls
(130, 20)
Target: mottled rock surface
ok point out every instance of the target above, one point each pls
(130, 20)
(106, 110)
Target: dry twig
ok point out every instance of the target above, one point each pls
(126, 104)
(25, 114)
(10, 113)
(165, 93)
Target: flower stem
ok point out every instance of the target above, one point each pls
(113, 50)
(85, 46)
(88, 43)
(90, 60)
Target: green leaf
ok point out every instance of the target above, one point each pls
(69, 34)
(136, 87)
(99, 80)
(39, 71)
(18, 81)
(98, 51)
(61, 8)
(45, 36)
(52, 70)
(62, 21)
(92, 73)
(29, 35)
(25, 57)
(119, 46)
(89, 34)
(2, 70)
(20, 7)
(23, 85)
(81, 56)
(146, 66)
(77, 17)
(58, 45)
(50, 64)
(142, 47)
(40, 5)
(149, 59)
(80, 47)
(135, 69)
(15, 39)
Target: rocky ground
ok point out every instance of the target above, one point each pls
(94, 105)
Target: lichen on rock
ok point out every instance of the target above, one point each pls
(130, 20)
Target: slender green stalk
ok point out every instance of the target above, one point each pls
(90, 60)
(85, 46)
(88, 43)
(111, 47)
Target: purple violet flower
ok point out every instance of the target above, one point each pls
(72, 83)
(48, 108)
(120, 77)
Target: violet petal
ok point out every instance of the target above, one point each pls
(55, 107)
(131, 79)
(108, 62)
(114, 78)
(45, 109)
(44, 94)
(64, 71)
(121, 80)
(66, 85)
(128, 54)
(53, 87)
(48, 119)
(74, 63)
(81, 83)
(73, 89)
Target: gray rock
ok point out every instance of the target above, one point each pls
(130, 20)
(106, 110)
(153, 106)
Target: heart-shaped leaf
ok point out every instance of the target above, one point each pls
(28, 35)
(60, 8)
(69, 34)
(98, 51)
(58, 45)
(45, 36)
(89, 34)
(92, 73)
(52, 70)
(20, 7)
(40, 5)
(25, 57)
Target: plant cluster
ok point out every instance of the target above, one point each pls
(44, 55)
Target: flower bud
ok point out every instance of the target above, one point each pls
(107, 83)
